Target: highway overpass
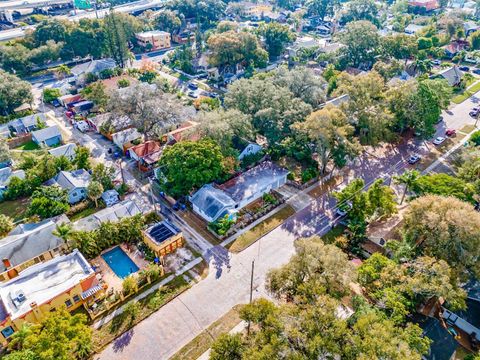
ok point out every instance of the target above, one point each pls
(29, 4)
(140, 5)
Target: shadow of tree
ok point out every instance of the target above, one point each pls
(123, 341)
(221, 258)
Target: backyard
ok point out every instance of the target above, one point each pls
(15, 209)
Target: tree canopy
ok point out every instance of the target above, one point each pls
(59, 336)
(13, 92)
(189, 165)
(445, 228)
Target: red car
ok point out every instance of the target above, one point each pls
(451, 132)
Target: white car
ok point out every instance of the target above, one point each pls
(439, 140)
(343, 209)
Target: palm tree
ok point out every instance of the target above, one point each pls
(94, 191)
(408, 178)
(63, 231)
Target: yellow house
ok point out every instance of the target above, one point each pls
(155, 39)
(66, 280)
(163, 238)
(30, 244)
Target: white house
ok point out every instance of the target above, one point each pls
(75, 182)
(126, 136)
(213, 202)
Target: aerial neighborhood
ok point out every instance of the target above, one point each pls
(240, 180)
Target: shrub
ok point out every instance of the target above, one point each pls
(475, 138)
(269, 198)
(222, 225)
(129, 285)
(6, 224)
(309, 174)
(123, 83)
(132, 310)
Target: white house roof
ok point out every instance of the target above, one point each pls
(7, 173)
(253, 181)
(27, 241)
(47, 133)
(122, 137)
(43, 281)
(67, 150)
(453, 75)
(126, 208)
(94, 66)
(148, 34)
(212, 201)
(73, 179)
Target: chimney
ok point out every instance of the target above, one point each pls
(6, 263)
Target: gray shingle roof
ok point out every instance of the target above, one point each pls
(126, 208)
(94, 66)
(67, 150)
(73, 179)
(27, 241)
(47, 133)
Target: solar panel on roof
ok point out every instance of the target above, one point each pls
(161, 233)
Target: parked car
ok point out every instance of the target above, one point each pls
(437, 62)
(414, 159)
(464, 68)
(439, 120)
(192, 86)
(192, 94)
(56, 103)
(451, 132)
(343, 209)
(476, 71)
(474, 112)
(213, 95)
(439, 140)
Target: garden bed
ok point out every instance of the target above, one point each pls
(147, 306)
(253, 211)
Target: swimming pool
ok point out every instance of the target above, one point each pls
(119, 262)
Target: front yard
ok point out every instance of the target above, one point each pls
(141, 310)
(259, 230)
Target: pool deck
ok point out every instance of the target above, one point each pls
(108, 276)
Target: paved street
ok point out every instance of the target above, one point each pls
(177, 323)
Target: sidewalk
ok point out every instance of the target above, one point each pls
(144, 294)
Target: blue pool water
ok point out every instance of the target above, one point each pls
(119, 262)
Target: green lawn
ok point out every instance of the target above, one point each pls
(259, 230)
(84, 213)
(28, 146)
(16, 209)
(466, 94)
(329, 238)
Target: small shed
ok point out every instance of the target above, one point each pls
(110, 197)
(163, 238)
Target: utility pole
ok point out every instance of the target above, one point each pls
(251, 293)
(121, 170)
